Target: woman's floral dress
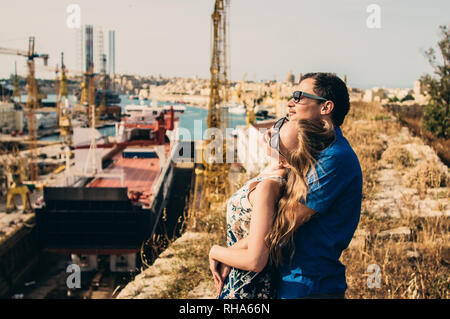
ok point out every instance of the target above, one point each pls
(243, 284)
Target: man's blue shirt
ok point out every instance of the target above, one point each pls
(335, 194)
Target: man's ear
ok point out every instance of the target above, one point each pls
(327, 107)
(283, 163)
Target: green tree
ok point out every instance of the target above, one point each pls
(408, 97)
(394, 99)
(437, 87)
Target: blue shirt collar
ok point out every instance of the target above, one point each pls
(338, 131)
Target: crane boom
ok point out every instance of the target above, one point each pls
(13, 52)
(25, 54)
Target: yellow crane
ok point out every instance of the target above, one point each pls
(212, 177)
(64, 117)
(240, 92)
(63, 81)
(18, 188)
(62, 95)
(87, 96)
(32, 99)
(16, 92)
(218, 69)
(104, 80)
(15, 169)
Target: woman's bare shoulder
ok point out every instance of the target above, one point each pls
(267, 187)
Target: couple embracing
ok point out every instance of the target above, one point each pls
(287, 227)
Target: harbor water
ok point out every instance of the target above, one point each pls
(193, 119)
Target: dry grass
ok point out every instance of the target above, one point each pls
(399, 156)
(428, 174)
(414, 264)
(411, 266)
(440, 145)
(194, 267)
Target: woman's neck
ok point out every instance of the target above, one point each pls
(273, 167)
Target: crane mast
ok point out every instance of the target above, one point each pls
(32, 106)
(32, 100)
(64, 121)
(211, 181)
(217, 114)
(63, 81)
(16, 92)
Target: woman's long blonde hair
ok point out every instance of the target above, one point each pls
(313, 137)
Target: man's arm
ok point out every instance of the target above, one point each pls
(304, 213)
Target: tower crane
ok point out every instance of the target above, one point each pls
(212, 178)
(63, 115)
(56, 87)
(105, 84)
(240, 92)
(63, 81)
(32, 100)
(16, 92)
(218, 69)
(62, 110)
(87, 91)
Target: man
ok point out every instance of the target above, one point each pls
(328, 219)
(334, 198)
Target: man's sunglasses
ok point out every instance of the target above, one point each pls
(274, 141)
(297, 96)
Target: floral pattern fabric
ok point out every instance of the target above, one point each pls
(242, 284)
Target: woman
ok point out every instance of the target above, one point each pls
(262, 211)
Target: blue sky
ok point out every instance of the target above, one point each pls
(267, 38)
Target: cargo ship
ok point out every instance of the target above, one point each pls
(135, 109)
(116, 193)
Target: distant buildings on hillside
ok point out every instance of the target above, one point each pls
(395, 95)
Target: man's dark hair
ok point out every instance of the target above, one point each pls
(331, 87)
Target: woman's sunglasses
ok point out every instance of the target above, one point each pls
(297, 96)
(274, 141)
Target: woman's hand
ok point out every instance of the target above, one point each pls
(224, 271)
(214, 266)
(220, 272)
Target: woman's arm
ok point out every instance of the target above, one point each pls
(304, 213)
(254, 257)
